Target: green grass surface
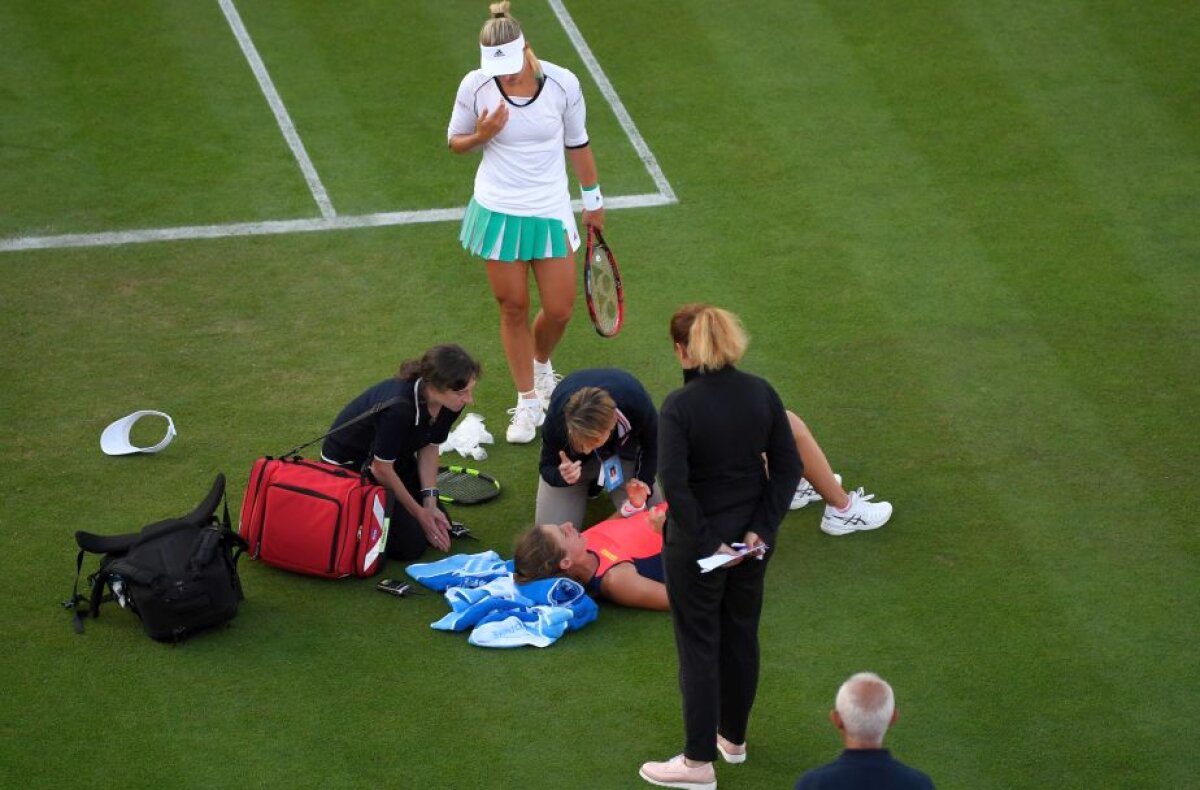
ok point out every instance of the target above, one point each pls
(964, 239)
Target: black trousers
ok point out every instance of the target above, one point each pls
(715, 616)
(406, 540)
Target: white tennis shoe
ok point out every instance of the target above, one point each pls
(805, 493)
(860, 515)
(526, 417)
(544, 384)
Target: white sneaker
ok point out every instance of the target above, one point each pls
(805, 493)
(860, 515)
(544, 384)
(525, 422)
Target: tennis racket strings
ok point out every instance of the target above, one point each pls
(604, 292)
(458, 485)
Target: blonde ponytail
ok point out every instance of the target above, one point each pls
(714, 338)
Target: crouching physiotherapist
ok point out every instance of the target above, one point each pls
(601, 433)
(398, 446)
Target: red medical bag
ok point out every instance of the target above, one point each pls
(314, 518)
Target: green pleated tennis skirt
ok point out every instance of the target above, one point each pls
(506, 237)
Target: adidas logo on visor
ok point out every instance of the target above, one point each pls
(498, 53)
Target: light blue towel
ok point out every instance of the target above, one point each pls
(562, 592)
(470, 616)
(460, 570)
(500, 613)
(471, 606)
(540, 626)
(460, 598)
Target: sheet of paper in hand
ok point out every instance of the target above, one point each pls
(717, 560)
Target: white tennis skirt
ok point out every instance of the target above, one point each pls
(506, 237)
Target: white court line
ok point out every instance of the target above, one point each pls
(281, 114)
(614, 101)
(329, 219)
(275, 227)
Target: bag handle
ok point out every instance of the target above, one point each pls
(378, 407)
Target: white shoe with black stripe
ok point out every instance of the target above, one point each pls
(860, 515)
(805, 493)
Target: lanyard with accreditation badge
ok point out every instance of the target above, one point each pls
(612, 476)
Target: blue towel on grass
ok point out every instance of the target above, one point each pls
(460, 570)
(540, 626)
(499, 612)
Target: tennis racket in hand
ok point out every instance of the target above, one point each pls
(602, 285)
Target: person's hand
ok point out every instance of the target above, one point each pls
(751, 541)
(489, 124)
(594, 218)
(637, 493)
(570, 470)
(656, 519)
(725, 548)
(436, 527)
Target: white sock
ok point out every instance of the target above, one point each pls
(542, 368)
(528, 402)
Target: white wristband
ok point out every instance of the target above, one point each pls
(628, 509)
(592, 199)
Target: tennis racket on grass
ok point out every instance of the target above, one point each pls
(459, 485)
(602, 285)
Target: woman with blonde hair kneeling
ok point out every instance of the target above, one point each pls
(601, 434)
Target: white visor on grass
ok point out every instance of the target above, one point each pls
(115, 439)
(505, 59)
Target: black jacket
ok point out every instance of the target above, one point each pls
(713, 433)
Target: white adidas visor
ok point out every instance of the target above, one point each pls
(505, 59)
(116, 441)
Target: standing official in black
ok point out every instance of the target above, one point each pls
(728, 466)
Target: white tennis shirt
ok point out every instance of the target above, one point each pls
(523, 170)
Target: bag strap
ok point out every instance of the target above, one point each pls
(93, 601)
(378, 407)
(240, 546)
(217, 533)
(73, 602)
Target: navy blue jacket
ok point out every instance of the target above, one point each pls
(865, 769)
(394, 434)
(639, 445)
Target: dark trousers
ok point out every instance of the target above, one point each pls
(715, 616)
(406, 540)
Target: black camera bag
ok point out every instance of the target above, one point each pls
(178, 576)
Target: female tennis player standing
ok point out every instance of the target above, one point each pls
(522, 113)
(714, 433)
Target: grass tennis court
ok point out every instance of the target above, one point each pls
(964, 238)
